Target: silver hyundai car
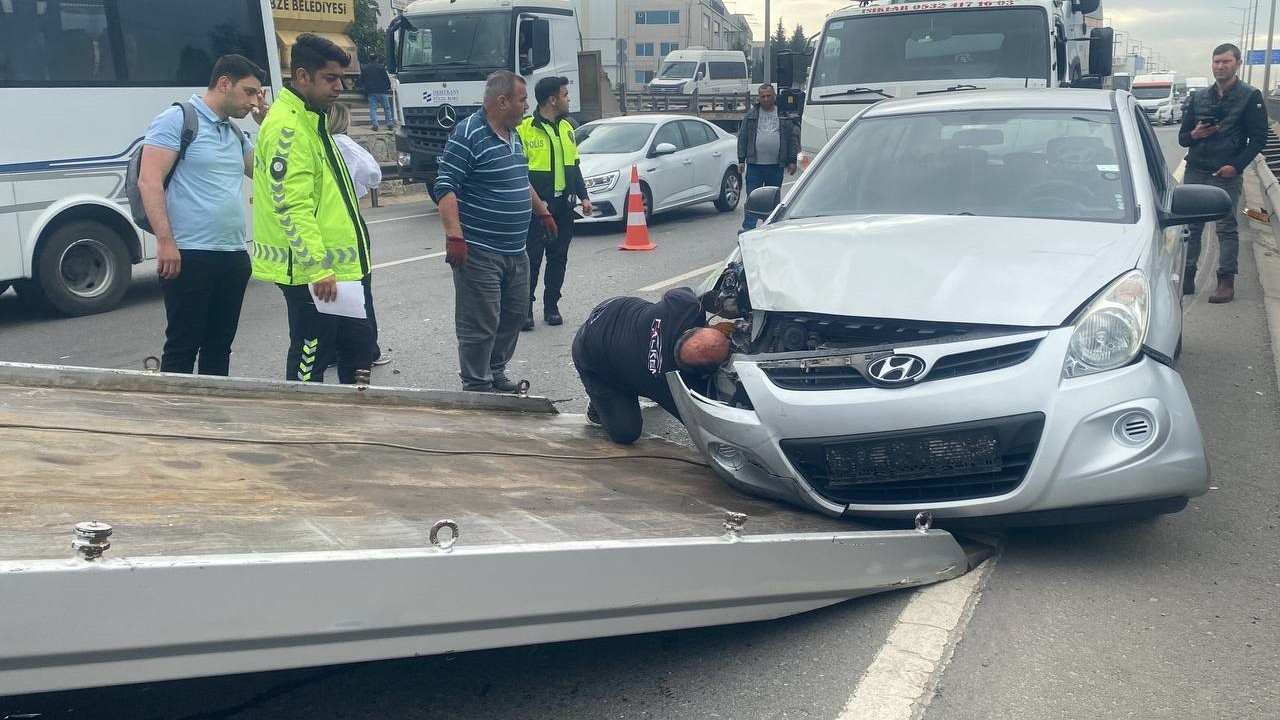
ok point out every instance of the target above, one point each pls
(969, 304)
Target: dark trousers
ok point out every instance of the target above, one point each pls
(617, 408)
(1226, 228)
(368, 309)
(316, 340)
(556, 251)
(759, 176)
(490, 306)
(203, 305)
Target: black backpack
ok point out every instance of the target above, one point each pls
(190, 126)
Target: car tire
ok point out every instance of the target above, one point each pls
(83, 268)
(646, 198)
(730, 191)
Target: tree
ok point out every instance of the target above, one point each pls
(779, 36)
(370, 41)
(798, 42)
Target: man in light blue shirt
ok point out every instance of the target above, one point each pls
(195, 205)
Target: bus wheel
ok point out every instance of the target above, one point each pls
(83, 268)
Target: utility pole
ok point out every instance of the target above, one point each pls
(768, 40)
(1266, 66)
(1253, 40)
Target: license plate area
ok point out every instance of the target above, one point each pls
(903, 458)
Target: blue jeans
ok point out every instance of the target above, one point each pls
(384, 100)
(759, 176)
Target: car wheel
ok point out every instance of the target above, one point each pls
(83, 268)
(730, 191)
(646, 198)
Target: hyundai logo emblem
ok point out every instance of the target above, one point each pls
(896, 369)
(447, 116)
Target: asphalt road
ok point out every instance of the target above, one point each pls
(1174, 617)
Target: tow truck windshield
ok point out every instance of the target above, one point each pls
(943, 45)
(443, 42)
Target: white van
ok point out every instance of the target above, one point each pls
(698, 69)
(1161, 96)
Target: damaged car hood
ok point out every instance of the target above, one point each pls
(1001, 271)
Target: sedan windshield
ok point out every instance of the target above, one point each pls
(1001, 163)
(1152, 92)
(682, 69)
(603, 138)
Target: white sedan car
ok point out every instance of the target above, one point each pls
(969, 305)
(682, 161)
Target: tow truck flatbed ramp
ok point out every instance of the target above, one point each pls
(259, 525)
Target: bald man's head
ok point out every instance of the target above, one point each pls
(704, 348)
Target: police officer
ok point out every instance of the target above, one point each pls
(556, 175)
(627, 346)
(1224, 130)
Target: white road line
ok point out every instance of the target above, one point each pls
(1180, 172)
(904, 675)
(398, 219)
(679, 278)
(394, 263)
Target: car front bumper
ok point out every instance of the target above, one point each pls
(610, 205)
(1080, 460)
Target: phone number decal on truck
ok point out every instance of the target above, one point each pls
(953, 5)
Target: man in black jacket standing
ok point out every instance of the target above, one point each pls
(1224, 130)
(377, 87)
(768, 142)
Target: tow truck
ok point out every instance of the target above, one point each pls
(165, 526)
(878, 49)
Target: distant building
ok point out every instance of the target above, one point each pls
(653, 28)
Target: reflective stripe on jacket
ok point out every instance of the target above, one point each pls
(306, 220)
(536, 135)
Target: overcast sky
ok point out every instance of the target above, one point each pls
(1183, 31)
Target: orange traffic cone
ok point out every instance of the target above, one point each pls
(637, 228)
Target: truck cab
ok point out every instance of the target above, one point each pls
(443, 50)
(894, 48)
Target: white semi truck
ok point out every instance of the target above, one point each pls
(443, 50)
(166, 526)
(881, 49)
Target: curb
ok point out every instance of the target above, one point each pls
(1266, 252)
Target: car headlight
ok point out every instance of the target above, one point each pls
(1111, 330)
(603, 183)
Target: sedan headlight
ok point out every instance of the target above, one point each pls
(603, 183)
(1110, 332)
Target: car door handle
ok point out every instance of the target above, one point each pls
(716, 154)
(686, 162)
(650, 169)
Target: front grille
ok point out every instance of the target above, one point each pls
(792, 332)
(426, 135)
(847, 377)
(949, 462)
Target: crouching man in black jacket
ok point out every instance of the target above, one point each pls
(627, 346)
(1224, 130)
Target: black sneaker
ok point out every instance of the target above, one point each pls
(593, 417)
(503, 384)
(528, 323)
(552, 316)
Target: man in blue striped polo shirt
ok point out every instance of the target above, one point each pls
(485, 202)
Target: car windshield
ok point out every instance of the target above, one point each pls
(682, 69)
(1151, 92)
(471, 40)
(1065, 164)
(603, 138)
(902, 47)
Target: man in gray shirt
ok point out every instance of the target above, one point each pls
(767, 143)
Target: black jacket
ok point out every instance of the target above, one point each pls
(1242, 128)
(633, 341)
(374, 79)
(544, 182)
(789, 137)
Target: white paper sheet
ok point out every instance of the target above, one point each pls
(349, 303)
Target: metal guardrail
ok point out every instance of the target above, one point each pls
(729, 106)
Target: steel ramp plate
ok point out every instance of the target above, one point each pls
(257, 534)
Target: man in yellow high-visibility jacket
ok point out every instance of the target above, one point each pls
(307, 231)
(556, 175)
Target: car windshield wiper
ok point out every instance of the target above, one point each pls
(858, 91)
(954, 88)
(962, 212)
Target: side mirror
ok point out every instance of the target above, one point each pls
(764, 200)
(663, 149)
(1087, 6)
(1101, 45)
(1196, 204)
(1088, 82)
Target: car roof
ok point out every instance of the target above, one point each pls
(1040, 99)
(646, 118)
